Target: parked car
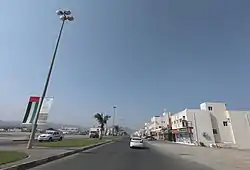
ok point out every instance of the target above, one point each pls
(93, 134)
(82, 133)
(50, 135)
(150, 138)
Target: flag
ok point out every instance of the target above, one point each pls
(31, 110)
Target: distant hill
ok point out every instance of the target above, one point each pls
(18, 124)
(10, 124)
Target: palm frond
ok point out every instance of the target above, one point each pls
(106, 118)
(99, 118)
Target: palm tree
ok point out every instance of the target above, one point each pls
(116, 128)
(102, 120)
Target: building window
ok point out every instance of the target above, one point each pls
(215, 131)
(210, 108)
(184, 124)
(183, 117)
(224, 123)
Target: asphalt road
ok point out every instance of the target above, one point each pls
(118, 156)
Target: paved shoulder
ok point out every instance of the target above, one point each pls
(118, 156)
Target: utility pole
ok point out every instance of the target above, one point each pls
(113, 129)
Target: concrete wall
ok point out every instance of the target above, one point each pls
(218, 115)
(240, 124)
(202, 126)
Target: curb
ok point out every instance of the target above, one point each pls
(20, 140)
(34, 163)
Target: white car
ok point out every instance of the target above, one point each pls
(136, 142)
(50, 135)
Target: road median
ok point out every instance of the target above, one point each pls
(11, 156)
(78, 145)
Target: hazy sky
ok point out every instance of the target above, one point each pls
(141, 55)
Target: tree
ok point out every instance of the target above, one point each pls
(116, 128)
(102, 120)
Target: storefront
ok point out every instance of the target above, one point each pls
(183, 135)
(157, 133)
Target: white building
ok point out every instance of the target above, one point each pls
(192, 125)
(166, 117)
(156, 124)
(239, 125)
(146, 129)
(68, 130)
(230, 126)
(212, 123)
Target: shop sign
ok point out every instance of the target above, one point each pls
(174, 131)
(182, 130)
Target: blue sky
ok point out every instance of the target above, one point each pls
(142, 56)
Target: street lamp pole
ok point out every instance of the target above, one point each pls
(113, 130)
(64, 15)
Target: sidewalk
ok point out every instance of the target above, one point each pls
(216, 158)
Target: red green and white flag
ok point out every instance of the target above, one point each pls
(31, 110)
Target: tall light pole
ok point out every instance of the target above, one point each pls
(113, 130)
(64, 16)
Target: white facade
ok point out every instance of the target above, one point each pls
(69, 129)
(155, 123)
(177, 118)
(218, 116)
(199, 123)
(213, 123)
(202, 125)
(165, 118)
(146, 128)
(239, 126)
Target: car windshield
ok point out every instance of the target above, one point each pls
(136, 138)
(49, 132)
